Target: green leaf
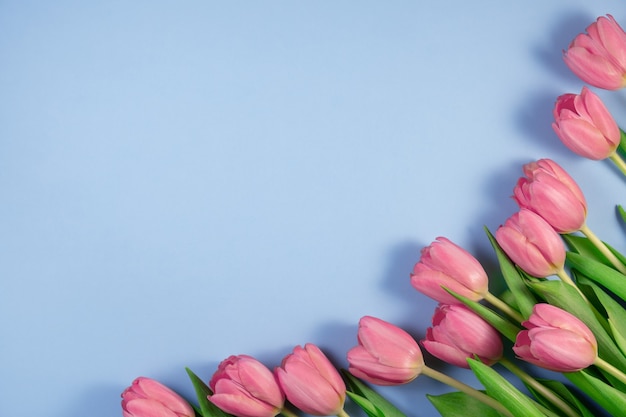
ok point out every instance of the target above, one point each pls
(562, 391)
(459, 404)
(366, 405)
(609, 398)
(584, 247)
(508, 329)
(207, 408)
(378, 401)
(503, 391)
(622, 213)
(524, 299)
(613, 280)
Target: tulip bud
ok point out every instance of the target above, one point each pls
(458, 333)
(584, 125)
(532, 244)
(385, 355)
(444, 264)
(556, 340)
(148, 398)
(598, 57)
(311, 382)
(550, 192)
(244, 387)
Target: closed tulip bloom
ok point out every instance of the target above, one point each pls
(585, 126)
(244, 387)
(598, 57)
(550, 192)
(532, 244)
(556, 340)
(458, 333)
(385, 355)
(444, 264)
(149, 398)
(311, 382)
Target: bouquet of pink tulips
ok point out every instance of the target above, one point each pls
(563, 308)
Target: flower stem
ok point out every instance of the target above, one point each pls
(605, 366)
(472, 392)
(619, 162)
(603, 249)
(502, 306)
(288, 413)
(563, 276)
(540, 388)
(342, 413)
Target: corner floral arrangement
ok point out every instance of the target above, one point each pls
(563, 308)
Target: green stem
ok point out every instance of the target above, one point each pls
(540, 388)
(480, 396)
(288, 413)
(563, 276)
(342, 413)
(602, 248)
(619, 162)
(604, 365)
(502, 306)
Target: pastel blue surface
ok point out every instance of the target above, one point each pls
(183, 181)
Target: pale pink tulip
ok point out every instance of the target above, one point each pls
(149, 398)
(244, 387)
(458, 333)
(556, 340)
(532, 244)
(585, 126)
(444, 264)
(598, 57)
(311, 382)
(385, 355)
(550, 192)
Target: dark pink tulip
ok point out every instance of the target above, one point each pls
(444, 264)
(458, 333)
(311, 382)
(385, 355)
(532, 244)
(598, 57)
(556, 340)
(149, 398)
(244, 387)
(550, 192)
(585, 126)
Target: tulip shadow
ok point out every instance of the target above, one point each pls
(563, 32)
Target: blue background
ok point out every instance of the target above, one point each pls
(183, 181)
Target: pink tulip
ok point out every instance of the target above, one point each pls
(311, 382)
(444, 264)
(550, 192)
(244, 387)
(532, 244)
(584, 125)
(385, 355)
(598, 57)
(458, 334)
(149, 398)
(556, 340)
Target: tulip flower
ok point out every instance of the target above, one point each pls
(244, 387)
(444, 264)
(598, 57)
(556, 340)
(550, 192)
(149, 398)
(585, 126)
(311, 382)
(532, 244)
(385, 355)
(458, 333)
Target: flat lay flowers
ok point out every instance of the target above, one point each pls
(562, 308)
